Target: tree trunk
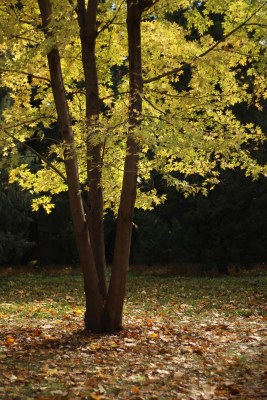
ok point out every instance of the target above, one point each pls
(112, 319)
(94, 300)
(100, 317)
(88, 34)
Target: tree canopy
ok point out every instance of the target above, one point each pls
(187, 127)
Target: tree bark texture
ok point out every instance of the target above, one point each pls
(94, 301)
(116, 294)
(103, 313)
(88, 33)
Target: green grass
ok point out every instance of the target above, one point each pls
(199, 338)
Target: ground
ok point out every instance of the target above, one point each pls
(183, 338)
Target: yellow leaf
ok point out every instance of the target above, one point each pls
(95, 396)
(10, 340)
(52, 371)
(135, 389)
(153, 335)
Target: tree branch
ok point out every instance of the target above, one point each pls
(153, 106)
(114, 95)
(44, 159)
(112, 20)
(29, 121)
(148, 4)
(188, 64)
(26, 73)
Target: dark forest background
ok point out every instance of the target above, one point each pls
(228, 227)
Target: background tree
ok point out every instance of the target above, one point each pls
(15, 216)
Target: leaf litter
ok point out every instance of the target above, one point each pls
(183, 339)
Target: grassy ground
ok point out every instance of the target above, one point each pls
(184, 338)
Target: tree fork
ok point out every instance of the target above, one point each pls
(88, 34)
(114, 306)
(94, 300)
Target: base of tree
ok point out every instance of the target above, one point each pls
(106, 326)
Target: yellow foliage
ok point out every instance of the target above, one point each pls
(190, 129)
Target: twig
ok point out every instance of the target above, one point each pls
(25, 73)
(112, 20)
(44, 159)
(188, 64)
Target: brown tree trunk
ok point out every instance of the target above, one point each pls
(92, 257)
(94, 300)
(114, 306)
(88, 34)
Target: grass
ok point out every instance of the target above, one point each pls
(184, 338)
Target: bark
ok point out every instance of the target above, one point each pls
(100, 316)
(112, 319)
(88, 34)
(94, 301)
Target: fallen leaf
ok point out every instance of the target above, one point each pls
(153, 335)
(10, 340)
(95, 397)
(135, 389)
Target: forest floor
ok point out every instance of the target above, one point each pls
(184, 338)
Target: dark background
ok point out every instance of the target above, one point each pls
(227, 227)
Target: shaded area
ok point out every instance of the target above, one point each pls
(228, 227)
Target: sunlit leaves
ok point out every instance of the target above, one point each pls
(44, 181)
(188, 124)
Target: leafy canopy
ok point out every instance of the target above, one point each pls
(200, 60)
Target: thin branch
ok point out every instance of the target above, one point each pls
(44, 159)
(257, 24)
(31, 23)
(24, 38)
(112, 20)
(239, 53)
(188, 64)
(111, 128)
(48, 139)
(190, 96)
(26, 73)
(30, 121)
(149, 5)
(114, 95)
(154, 2)
(153, 106)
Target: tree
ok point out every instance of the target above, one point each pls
(114, 135)
(15, 215)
